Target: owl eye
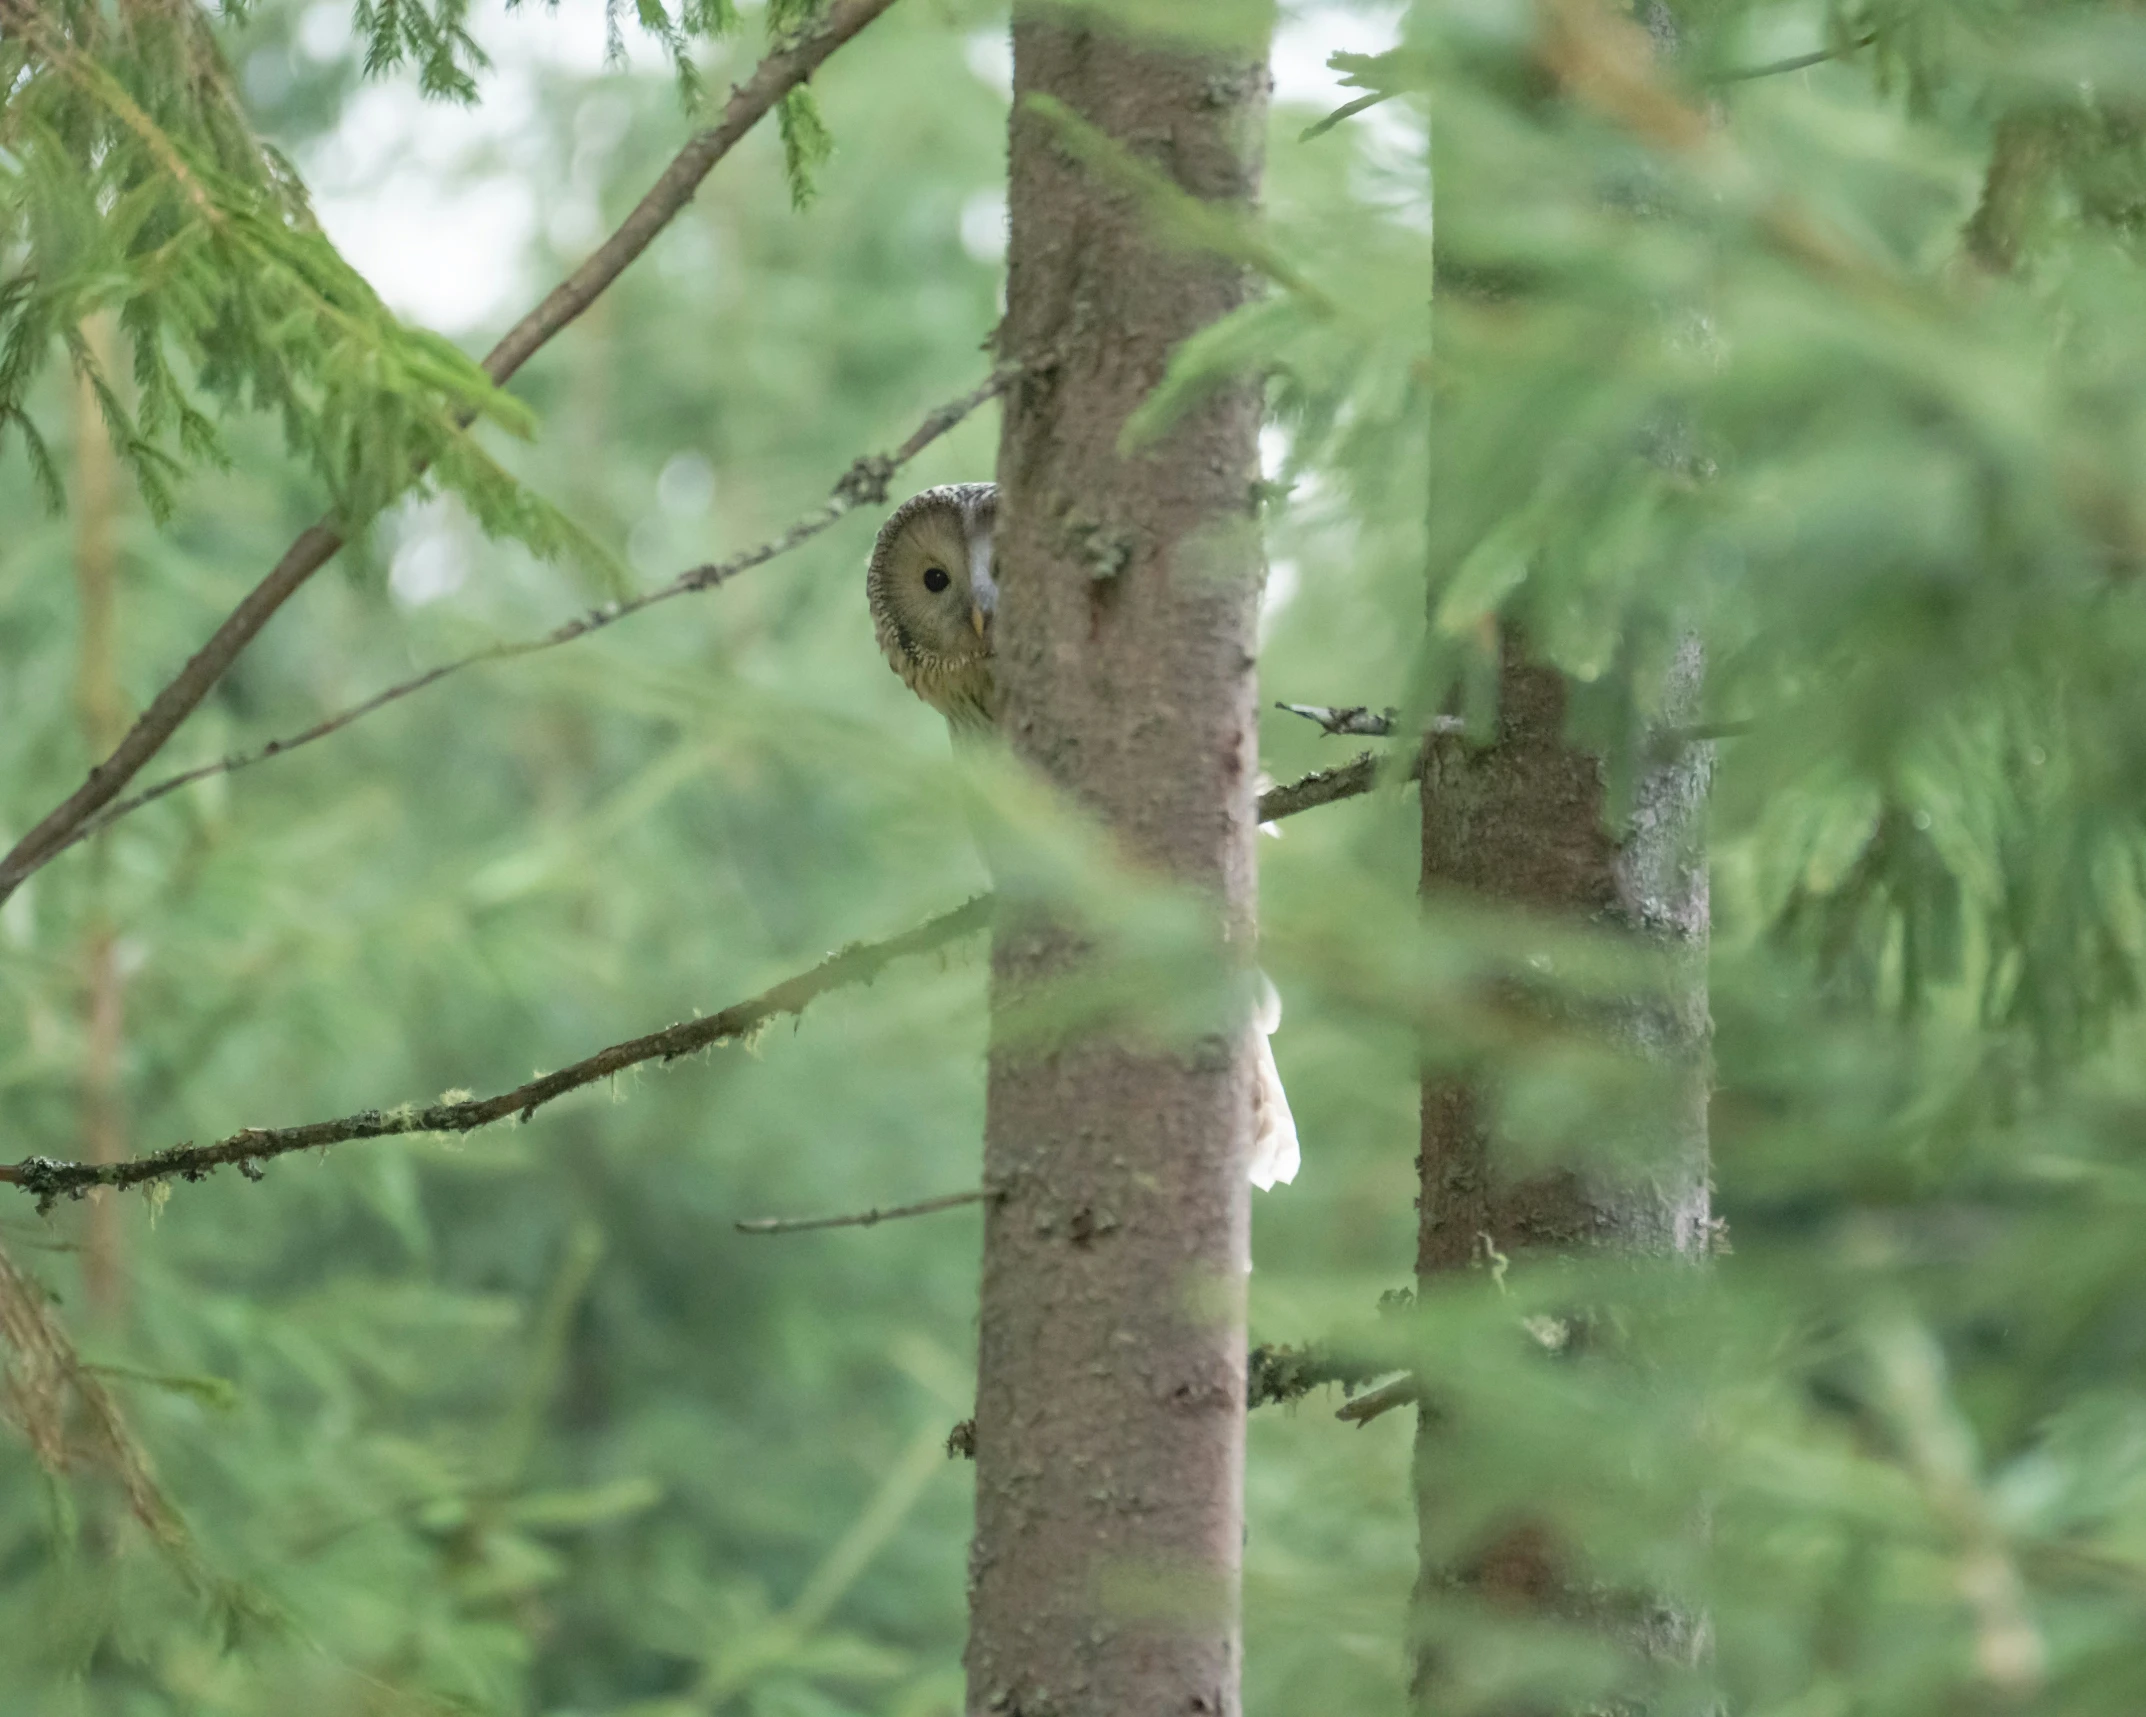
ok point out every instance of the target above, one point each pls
(936, 579)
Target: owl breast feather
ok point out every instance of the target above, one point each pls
(961, 691)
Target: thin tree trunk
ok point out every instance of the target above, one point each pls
(1110, 1400)
(103, 716)
(1524, 822)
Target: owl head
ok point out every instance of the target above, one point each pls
(932, 598)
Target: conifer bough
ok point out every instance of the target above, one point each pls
(779, 73)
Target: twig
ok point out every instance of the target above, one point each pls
(862, 1218)
(1347, 110)
(47, 1180)
(1275, 1376)
(1356, 719)
(1795, 62)
(1359, 722)
(864, 484)
(776, 75)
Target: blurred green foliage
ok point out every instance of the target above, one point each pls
(520, 1424)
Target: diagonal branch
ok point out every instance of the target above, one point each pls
(864, 484)
(47, 1179)
(1347, 110)
(1795, 62)
(1320, 787)
(778, 74)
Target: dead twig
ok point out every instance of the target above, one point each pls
(862, 1218)
(1347, 110)
(1794, 63)
(1356, 719)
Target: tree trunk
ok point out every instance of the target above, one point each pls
(1524, 822)
(1110, 1397)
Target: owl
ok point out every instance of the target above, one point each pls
(933, 594)
(932, 598)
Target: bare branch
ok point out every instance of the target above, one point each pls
(1320, 787)
(774, 78)
(1347, 110)
(1281, 1376)
(1795, 63)
(1359, 722)
(47, 1180)
(862, 1218)
(778, 74)
(863, 484)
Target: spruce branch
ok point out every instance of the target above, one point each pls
(47, 1180)
(863, 484)
(1359, 721)
(780, 72)
(62, 1409)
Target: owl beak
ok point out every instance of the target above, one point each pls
(983, 588)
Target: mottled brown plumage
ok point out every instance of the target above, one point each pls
(939, 639)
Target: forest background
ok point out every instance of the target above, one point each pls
(1805, 331)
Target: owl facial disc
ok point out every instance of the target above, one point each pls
(933, 593)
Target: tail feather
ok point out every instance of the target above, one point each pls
(1275, 1157)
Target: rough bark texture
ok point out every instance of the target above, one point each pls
(1110, 1400)
(1524, 822)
